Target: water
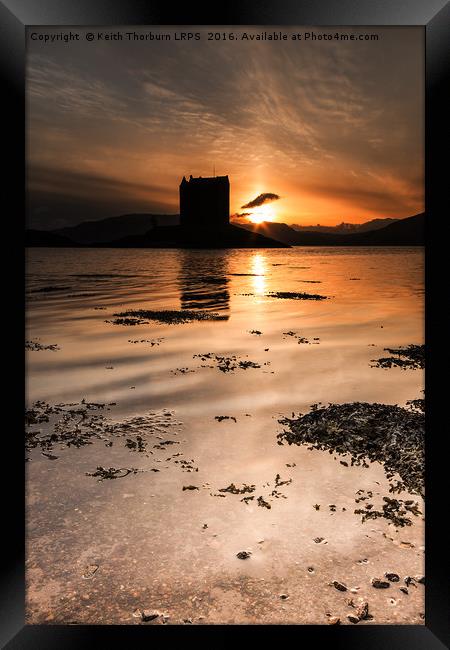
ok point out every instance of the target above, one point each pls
(146, 534)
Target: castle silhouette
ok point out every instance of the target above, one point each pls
(204, 223)
(205, 202)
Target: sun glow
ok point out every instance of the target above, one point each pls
(262, 213)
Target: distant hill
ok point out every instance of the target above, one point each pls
(49, 239)
(404, 232)
(112, 228)
(177, 237)
(347, 228)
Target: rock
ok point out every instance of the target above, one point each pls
(284, 596)
(243, 555)
(90, 571)
(352, 618)
(404, 590)
(190, 487)
(420, 579)
(318, 540)
(334, 620)
(379, 584)
(362, 611)
(187, 621)
(149, 615)
(339, 586)
(392, 577)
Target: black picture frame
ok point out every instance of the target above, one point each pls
(434, 16)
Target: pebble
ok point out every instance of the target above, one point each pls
(339, 586)
(404, 590)
(150, 614)
(392, 577)
(379, 584)
(90, 571)
(334, 620)
(284, 596)
(352, 618)
(243, 555)
(362, 611)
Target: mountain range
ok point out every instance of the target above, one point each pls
(347, 228)
(151, 230)
(402, 232)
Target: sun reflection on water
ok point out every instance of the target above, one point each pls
(258, 267)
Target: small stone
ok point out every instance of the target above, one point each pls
(150, 614)
(284, 596)
(243, 555)
(380, 584)
(420, 579)
(339, 586)
(187, 621)
(334, 620)
(362, 611)
(404, 590)
(90, 571)
(310, 569)
(392, 577)
(353, 619)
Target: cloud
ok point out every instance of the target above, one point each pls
(337, 127)
(240, 215)
(260, 200)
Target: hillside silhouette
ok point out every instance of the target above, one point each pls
(404, 232)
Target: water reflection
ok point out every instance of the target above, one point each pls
(258, 268)
(203, 281)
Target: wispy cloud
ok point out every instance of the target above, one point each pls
(326, 121)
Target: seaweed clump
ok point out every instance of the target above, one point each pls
(411, 357)
(296, 295)
(171, 317)
(35, 346)
(391, 435)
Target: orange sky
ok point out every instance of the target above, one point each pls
(334, 128)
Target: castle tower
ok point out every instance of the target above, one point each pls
(205, 202)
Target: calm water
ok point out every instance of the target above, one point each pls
(146, 534)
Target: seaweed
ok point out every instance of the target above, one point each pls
(233, 489)
(411, 357)
(295, 295)
(171, 317)
(35, 346)
(392, 435)
(227, 364)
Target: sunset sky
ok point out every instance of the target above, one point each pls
(335, 129)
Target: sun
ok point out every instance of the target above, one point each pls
(262, 213)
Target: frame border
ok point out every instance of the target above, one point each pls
(434, 16)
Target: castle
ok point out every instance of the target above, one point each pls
(205, 202)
